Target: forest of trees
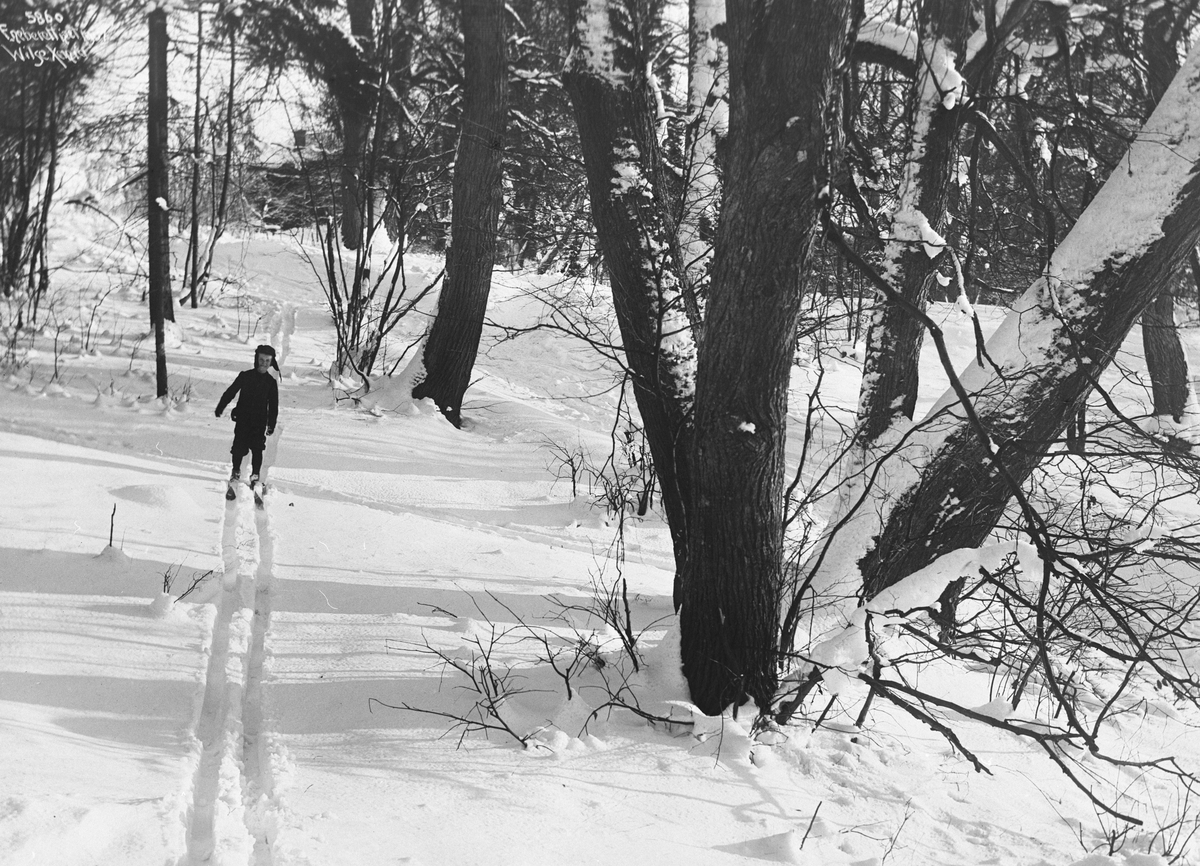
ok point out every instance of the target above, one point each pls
(761, 178)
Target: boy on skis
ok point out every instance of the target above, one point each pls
(255, 414)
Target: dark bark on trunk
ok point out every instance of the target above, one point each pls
(1194, 259)
(786, 62)
(157, 191)
(890, 370)
(620, 119)
(478, 196)
(1165, 359)
(355, 105)
(41, 239)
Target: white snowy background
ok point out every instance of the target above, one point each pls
(248, 723)
(254, 722)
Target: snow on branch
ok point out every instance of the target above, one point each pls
(842, 655)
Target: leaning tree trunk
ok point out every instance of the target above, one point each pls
(1165, 358)
(786, 62)
(478, 196)
(948, 484)
(632, 195)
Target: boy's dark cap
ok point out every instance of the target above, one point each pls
(264, 349)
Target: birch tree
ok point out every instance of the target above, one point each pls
(707, 125)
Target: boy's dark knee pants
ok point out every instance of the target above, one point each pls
(253, 440)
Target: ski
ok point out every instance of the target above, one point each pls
(258, 489)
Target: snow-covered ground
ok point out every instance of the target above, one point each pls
(255, 721)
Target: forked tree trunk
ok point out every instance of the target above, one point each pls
(944, 489)
(633, 196)
(786, 61)
(478, 196)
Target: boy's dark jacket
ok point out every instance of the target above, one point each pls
(258, 405)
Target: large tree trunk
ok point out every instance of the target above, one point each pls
(947, 485)
(478, 196)
(786, 61)
(157, 187)
(633, 196)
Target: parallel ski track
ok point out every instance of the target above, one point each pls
(233, 788)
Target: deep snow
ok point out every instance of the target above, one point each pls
(248, 723)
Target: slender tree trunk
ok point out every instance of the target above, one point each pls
(786, 62)
(219, 218)
(193, 264)
(400, 203)
(890, 369)
(157, 191)
(1165, 358)
(708, 123)
(478, 197)
(633, 200)
(356, 113)
(42, 229)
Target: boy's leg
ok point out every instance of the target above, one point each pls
(239, 449)
(257, 445)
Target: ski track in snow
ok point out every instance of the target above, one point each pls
(233, 806)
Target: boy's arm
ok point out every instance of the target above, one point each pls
(272, 406)
(229, 394)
